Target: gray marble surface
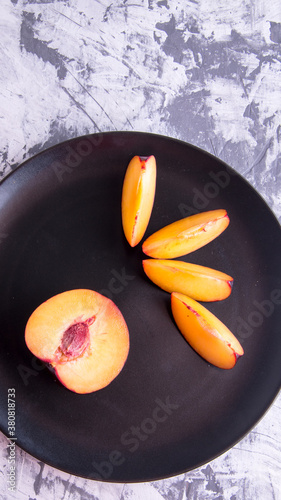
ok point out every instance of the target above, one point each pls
(207, 72)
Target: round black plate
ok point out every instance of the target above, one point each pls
(169, 410)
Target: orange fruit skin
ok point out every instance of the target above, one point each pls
(206, 334)
(106, 348)
(198, 282)
(138, 197)
(186, 235)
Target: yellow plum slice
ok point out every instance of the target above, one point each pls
(199, 282)
(138, 197)
(186, 235)
(206, 334)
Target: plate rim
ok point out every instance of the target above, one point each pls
(245, 181)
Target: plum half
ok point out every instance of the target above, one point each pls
(82, 336)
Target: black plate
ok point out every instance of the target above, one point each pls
(168, 411)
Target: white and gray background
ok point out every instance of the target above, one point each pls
(207, 72)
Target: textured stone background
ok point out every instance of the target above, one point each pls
(207, 72)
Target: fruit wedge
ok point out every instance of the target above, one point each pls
(138, 197)
(199, 282)
(83, 338)
(186, 235)
(206, 334)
